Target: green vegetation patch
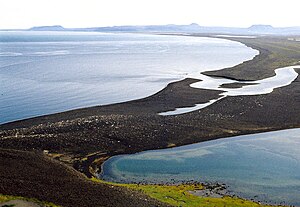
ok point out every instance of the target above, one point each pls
(5, 198)
(178, 195)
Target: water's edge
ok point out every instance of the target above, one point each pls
(262, 137)
(97, 105)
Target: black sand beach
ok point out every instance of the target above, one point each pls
(42, 157)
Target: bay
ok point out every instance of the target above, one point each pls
(48, 72)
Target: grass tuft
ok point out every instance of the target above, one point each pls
(178, 195)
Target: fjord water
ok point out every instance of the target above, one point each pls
(48, 72)
(264, 166)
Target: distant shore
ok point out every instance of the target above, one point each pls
(83, 138)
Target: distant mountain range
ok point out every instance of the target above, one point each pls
(49, 28)
(192, 28)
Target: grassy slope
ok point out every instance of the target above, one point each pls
(178, 195)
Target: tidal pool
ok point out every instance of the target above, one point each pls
(264, 166)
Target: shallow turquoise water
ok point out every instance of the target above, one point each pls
(263, 166)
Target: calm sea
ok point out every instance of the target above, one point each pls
(48, 72)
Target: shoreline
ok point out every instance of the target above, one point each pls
(110, 176)
(154, 75)
(179, 194)
(220, 73)
(79, 137)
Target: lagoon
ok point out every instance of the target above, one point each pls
(263, 166)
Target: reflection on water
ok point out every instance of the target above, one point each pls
(265, 166)
(47, 72)
(283, 77)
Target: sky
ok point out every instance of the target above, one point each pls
(23, 14)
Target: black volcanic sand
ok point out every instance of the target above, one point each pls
(236, 85)
(49, 180)
(84, 138)
(275, 52)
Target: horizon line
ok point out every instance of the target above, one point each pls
(145, 25)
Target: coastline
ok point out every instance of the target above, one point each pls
(175, 167)
(275, 52)
(134, 126)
